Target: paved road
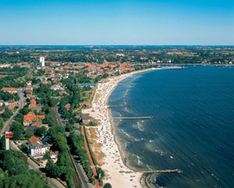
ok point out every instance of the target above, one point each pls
(32, 165)
(79, 169)
(9, 121)
(58, 116)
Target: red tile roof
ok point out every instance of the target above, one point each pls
(37, 124)
(34, 139)
(8, 89)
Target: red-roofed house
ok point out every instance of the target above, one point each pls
(49, 71)
(34, 106)
(34, 139)
(36, 124)
(10, 105)
(88, 65)
(28, 119)
(32, 103)
(67, 67)
(9, 90)
(29, 90)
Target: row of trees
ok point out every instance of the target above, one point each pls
(5, 96)
(17, 125)
(57, 137)
(4, 117)
(78, 147)
(61, 169)
(14, 172)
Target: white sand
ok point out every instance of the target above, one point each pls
(112, 161)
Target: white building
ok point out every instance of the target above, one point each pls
(5, 65)
(37, 150)
(120, 54)
(42, 61)
(56, 88)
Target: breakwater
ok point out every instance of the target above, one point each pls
(132, 118)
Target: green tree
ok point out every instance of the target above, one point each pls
(63, 160)
(41, 131)
(5, 96)
(7, 113)
(17, 128)
(47, 155)
(61, 142)
(3, 178)
(28, 135)
(2, 143)
(101, 172)
(52, 102)
(19, 117)
(69, 127)
(1, 123)
(49, 120)
(107, 185)
(13, 161)
(24, 111)
(57, 137)
(53, 170)
(25, 180)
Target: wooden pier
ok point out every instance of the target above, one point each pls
(164, 171)
(125, 84)
(132, 118)
(117, 106)
(156, 171)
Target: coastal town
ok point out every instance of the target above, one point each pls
(54, 118)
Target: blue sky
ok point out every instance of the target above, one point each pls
(117, 22)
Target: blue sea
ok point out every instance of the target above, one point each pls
(192, 125)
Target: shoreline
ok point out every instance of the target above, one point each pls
(118, 172)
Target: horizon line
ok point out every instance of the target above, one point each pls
(116, 44)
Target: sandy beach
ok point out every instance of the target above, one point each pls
(117, 173)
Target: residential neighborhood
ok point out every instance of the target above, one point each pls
(45, 104)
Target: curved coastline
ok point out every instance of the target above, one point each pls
(119, 172)
(117, 138)
(144, 179)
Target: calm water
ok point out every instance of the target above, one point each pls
(192, 128)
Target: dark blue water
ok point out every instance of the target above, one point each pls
(192, 128)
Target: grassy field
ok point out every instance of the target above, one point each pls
(96, 147)
(85, 96)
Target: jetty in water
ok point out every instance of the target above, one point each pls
(132, 118)
(164, 171)
(156, 171)
(125, 84)
(117, 106)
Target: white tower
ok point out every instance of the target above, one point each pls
(42, 61)
(8, 135)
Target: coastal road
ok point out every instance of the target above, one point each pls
(90, 158)
(9, 121)
(32, 165)
(80, 171)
